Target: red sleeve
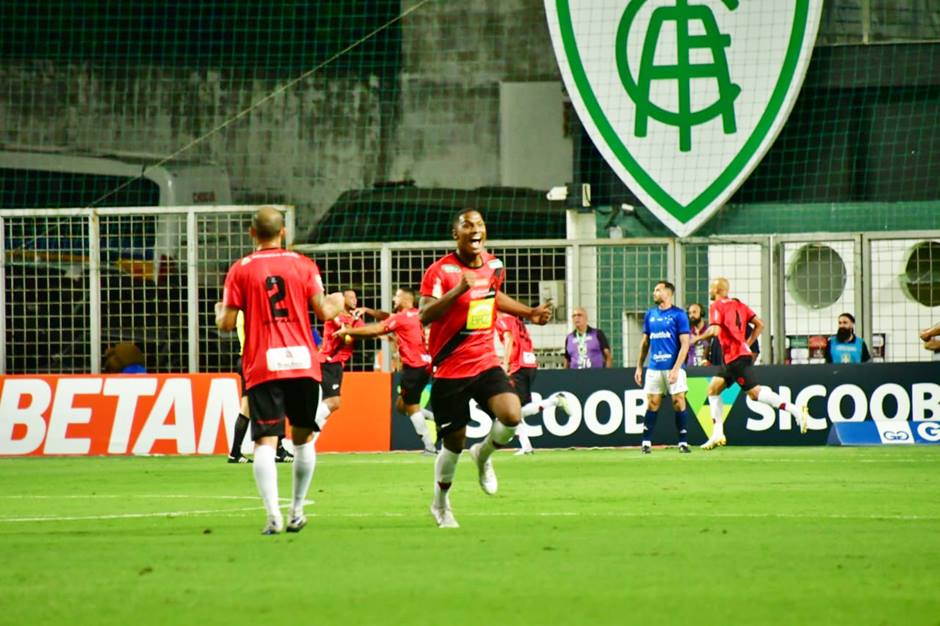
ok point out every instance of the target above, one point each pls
(314, 282)
(232, 296)
(431, 284)
(715, 314)
(391, 322)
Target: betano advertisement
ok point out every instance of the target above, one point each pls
(163, 414)
(607, 407)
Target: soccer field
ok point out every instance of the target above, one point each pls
(739, 535)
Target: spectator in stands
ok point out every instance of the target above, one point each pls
(931, 339)
(124, 358)
(586, 347)
(845, 346)
(704, 352)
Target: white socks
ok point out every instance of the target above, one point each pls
(417, 420)
(533, 407)
(323, 412)
(445, 466)
(717, 409)
(265, 472)
(769, 397)
(499, 436)
(305, 462)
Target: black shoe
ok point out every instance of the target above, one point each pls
(646, 449)
(283, 456)
(684, 448)
(238, 458)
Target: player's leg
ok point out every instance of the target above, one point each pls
(282, 455)
(238, 437)
(677, 392)
(332, 374)
(301, 411)
(769, 397)
(267, 406)
(448, 398)
(413, 380)
(654, 386)
(522, 380)
(493, 390)
(715, 405)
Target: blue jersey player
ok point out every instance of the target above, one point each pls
(666, 341)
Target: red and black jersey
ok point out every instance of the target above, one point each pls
(410, 335)
(333, 349)
(461, 340)
(273, 288)
(523, 354)
(731, 316)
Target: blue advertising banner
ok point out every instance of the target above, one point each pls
(607, 407)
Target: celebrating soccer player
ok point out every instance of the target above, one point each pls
(405, 323)
(275, 289)
(729, 321)
(335, 352)
(460, 294)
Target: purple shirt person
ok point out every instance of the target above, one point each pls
(586, 347)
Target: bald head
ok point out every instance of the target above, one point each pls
(267, 224)
(719, 288)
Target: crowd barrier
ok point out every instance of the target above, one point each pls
(195, 413)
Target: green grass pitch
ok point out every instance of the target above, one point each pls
(733, 536)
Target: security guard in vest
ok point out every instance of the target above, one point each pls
(845, 346)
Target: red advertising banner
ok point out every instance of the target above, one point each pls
(114, 414)
(165, 414)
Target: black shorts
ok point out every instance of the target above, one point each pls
(413, 381)
(270, 402)
(450, 397)
(522, 381)
(741, 371)
(332, 379)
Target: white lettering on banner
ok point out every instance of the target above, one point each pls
(222, 405)
(900, 397)
(925, 398)
(858, 397)
(480, 423)
(128, 391)
(634, 407)
(802, 399)
(929, 431)
(63, 414)
(176, 396)
(550, 418)
(768, 416)
(590, 412)
(30, 416)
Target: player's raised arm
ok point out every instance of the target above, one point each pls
(369, 330)
(328, 307)
(377, 314)
(431, 308)
(538, 315)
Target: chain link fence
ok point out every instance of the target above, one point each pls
(77, 281)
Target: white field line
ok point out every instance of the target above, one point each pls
(240, 512)
(150, 514)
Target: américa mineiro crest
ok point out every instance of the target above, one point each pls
(683, 97)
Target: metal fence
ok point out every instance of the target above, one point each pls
(78, 281)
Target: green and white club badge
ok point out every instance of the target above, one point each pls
(683, 97)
